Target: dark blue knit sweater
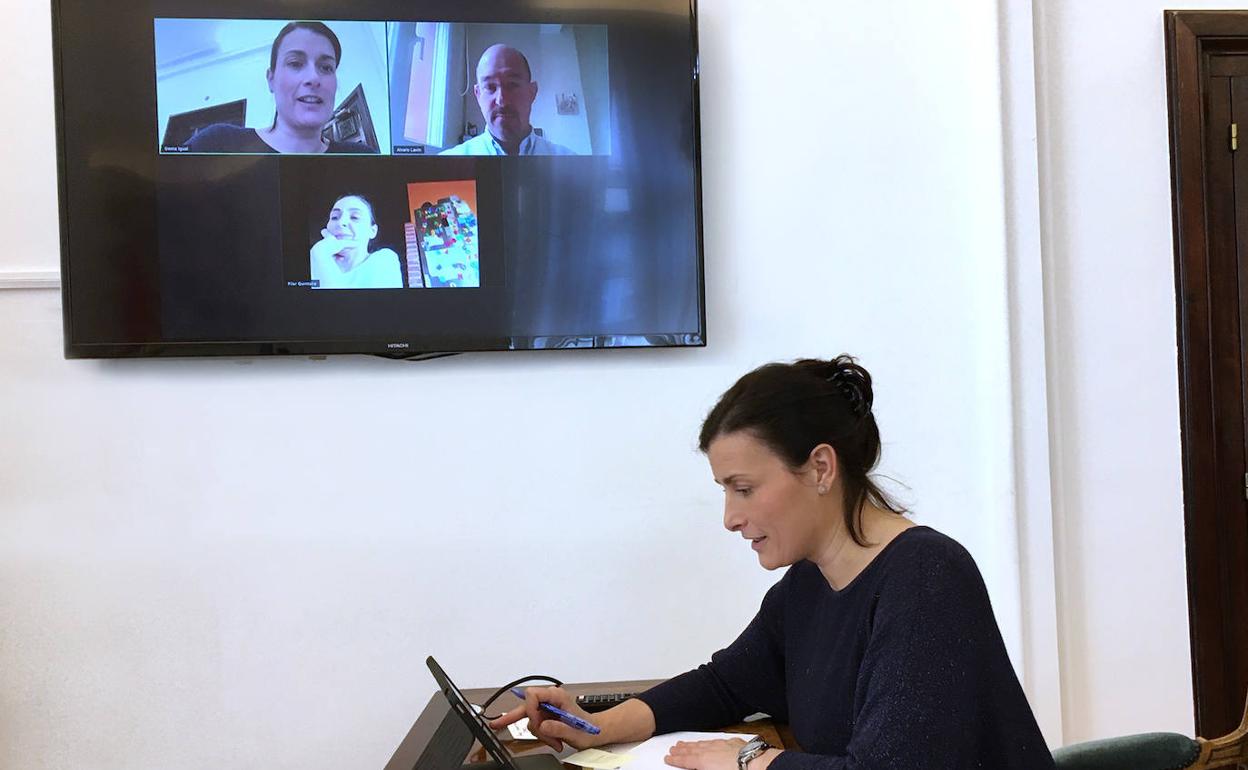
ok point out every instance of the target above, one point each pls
(903, 668)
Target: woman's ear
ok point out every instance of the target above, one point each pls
(823, 464)
(268, 77)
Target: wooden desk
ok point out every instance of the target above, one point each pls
(776, 735)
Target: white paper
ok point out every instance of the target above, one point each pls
(520, 730)
(648, 755)
(598, 759)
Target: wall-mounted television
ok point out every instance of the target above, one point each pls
(256, 177)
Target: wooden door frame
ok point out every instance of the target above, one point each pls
(1191, 38)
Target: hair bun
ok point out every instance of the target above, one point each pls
(853, 382)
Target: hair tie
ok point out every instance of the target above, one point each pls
(845, 382)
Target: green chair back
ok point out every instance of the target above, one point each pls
(1147, 751)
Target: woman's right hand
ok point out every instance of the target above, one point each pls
(324, 250)
(546, 727)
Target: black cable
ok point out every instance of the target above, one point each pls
(509, 685)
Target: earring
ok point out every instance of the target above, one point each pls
(823, 490)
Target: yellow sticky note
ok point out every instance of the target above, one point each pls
(598, 759)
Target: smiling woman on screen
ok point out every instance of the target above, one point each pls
(341, 259)
(303, 78)
(878, 646)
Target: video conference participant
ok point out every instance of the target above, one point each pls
(878, 647)
(341, 259)
(303, 78)
(505, 91)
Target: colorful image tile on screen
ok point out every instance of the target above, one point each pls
(262, 86)
(499, 89)
(443, 245)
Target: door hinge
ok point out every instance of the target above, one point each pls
(1234, 137)
(1246, 486)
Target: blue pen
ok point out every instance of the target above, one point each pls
(563, 716)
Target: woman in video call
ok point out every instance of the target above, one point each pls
(303, 78)
(341, 259)
(878, 646)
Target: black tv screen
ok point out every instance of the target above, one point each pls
(249, 177)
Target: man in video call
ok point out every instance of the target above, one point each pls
(505, 91)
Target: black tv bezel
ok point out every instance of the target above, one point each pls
(412, 348)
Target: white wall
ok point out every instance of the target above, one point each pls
(1113, 366)
(29, 156)
(197, 571)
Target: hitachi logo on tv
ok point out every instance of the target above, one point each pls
(397, 345)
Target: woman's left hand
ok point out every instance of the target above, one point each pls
(705, 755)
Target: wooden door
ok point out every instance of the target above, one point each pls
(1207, 57)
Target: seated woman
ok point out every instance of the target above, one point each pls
(341, 259)
(303, 78)
(878, 646)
